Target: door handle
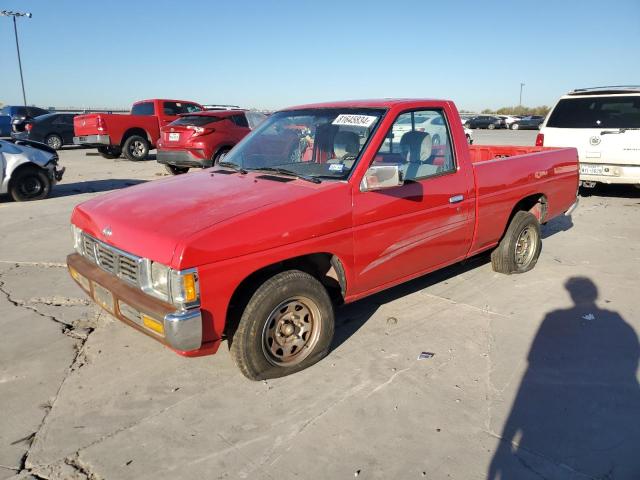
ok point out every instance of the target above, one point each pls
(456, 198)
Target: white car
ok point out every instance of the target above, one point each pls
(508, 119)
(28, 169)
(604, 125)
(434, 125)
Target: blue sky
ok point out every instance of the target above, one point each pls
(271, 54)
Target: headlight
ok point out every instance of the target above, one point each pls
(76, 234)
(179, 288)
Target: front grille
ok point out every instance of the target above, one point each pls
(111, 259)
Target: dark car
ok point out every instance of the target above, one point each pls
(530, 122)
(485, 121)
(53, 129)
(20, 115)
(9, 113)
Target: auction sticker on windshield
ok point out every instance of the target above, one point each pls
(355, 120)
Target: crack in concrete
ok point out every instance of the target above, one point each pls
(81, 335)
(34, 264)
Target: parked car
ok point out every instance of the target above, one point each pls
(485, 121)
(201, 140)
(469, 134)
(28, 170)
(604, 125)
(508, 119)
(261, 250)
(529, 122)
(220, 107)
(134, 134)
(54, 129)
(18, 114)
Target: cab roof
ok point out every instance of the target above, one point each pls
(372, 103)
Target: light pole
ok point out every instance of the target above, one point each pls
(8, 13)
(521, 85)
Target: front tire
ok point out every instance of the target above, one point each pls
(436, 140)
(519, 249)
(515, 126)
(491, 126)
(286, 326)
(173, 170)
(136, 148)
(29, 184)
(54, 141)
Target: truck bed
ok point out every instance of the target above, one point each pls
(506, 174)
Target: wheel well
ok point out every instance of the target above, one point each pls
(536, 204)
(220, 149)
(134, 131)
(325, 267)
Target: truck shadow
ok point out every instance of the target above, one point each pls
(92, 186)
(576, 413)
(561, 223)
(350, 318)
(619, 191)
(150, 157)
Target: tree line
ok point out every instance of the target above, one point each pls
(519, 110)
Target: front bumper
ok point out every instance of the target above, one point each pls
(179, 330)
(92, 140)
(182, 158)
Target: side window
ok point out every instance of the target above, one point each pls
(145, 108)
(176, 108)
(255, 119)
(240, 120)
(421, 149)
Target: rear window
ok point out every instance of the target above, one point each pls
(145, 108)
(597, 112)
(195, 120)
(176, 108)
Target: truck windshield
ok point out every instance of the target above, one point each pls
(320, 143)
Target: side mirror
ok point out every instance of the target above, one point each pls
(380, 177)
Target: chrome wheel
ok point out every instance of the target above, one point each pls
(137, 148)
(525, 246)
(54, 142)
(291, 331)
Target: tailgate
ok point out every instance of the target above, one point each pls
(86, 125)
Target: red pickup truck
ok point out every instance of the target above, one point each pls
(134, 134)
(320, 205)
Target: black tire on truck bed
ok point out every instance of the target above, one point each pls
(286, 326)
(519, 249)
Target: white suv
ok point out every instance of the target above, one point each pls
(604, 125)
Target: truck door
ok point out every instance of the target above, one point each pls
(425, 223)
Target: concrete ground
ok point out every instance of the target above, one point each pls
(533, 376)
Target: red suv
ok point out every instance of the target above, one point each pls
(200, 140)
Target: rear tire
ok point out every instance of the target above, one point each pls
(173, 170)
(54, 141)
(110, 152)
(520, 247)
(136, 148)
(28, 184)
(218, 157)
(491, 126)
(286, 326)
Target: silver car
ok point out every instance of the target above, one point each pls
(28, 170)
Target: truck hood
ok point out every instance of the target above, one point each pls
(193, 219)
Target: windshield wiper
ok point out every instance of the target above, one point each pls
(619, 130)
(233, 166)
(284, 171)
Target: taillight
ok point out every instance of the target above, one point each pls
(28, 127)
(540, 140)
(100, 124)
(197, 131)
